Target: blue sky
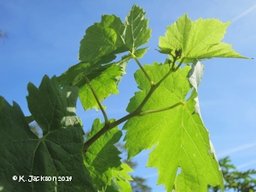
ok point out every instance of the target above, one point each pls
(43, 38)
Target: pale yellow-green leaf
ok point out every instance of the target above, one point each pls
(200, 39)
(177, 137)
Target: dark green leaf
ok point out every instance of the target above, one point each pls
(57, 153)
(103, 161)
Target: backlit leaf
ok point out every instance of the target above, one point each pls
(200, 39)
(99, 47)
(104, 85)
(178, 136)
(137, 32)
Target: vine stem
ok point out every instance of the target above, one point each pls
(143, 70)
(162, 109)
(97, 100)
(180, 63)
(109, 126)
(138, 111)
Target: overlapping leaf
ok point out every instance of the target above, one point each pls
(137, 32)
(103, 79)
(57, 153)
(200, 39)
(179, 137)
(104, 85)
(121, 179)
(102, 41)
(102, 158)
(99, 47)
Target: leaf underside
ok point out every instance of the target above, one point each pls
(200, 39)
(101, 45)
(178, 136)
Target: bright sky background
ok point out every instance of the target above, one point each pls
(43, 38)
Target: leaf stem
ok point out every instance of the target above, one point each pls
(97, 100)
(180, 63)
(95, 137)
(161, 109)
(142, 69)
(153, 88)
(109, 126)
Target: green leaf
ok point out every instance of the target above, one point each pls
(75, 75)
(56, 153)
(104, 79)
(178, 136)
(139, 53)
(137, 32)
(121, 179)
(104, 85)
(60, 110)
(100, 46)
(188, 184)
(200, 39)
(102, 41)
(103, 161)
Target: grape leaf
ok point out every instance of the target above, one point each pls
(137, 32)
(103, 79)
(102, 41)
(102, 159)
(104, 85)
(99, 47)
(56, 153)
(200, 39)
(75, 75)
(188, 184)
(60, 108)
(121, 179)
(178, 136)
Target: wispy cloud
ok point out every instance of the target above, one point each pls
(244, 13)
(237, 149)
(247, 164)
